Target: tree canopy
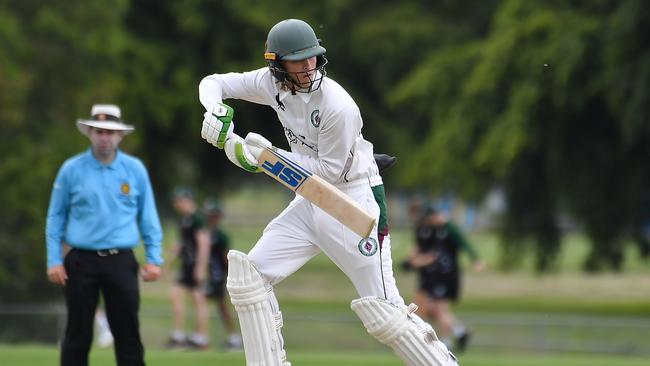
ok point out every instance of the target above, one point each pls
(549, 100)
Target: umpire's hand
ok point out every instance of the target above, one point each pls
(57, 275)
(150, 272)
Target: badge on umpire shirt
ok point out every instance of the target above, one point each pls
(125, 188)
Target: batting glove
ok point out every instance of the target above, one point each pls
(256, 144)
(238, 153)
(218, 125)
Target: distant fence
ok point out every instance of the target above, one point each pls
(491, 331)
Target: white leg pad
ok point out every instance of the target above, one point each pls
(259, 315)
(413, 340)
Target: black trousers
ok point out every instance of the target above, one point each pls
(116, 276)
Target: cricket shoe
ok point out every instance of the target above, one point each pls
(176, 344)
(234, 343)
(198, 343)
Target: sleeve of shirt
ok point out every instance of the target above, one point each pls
(335, 141)
(455, 233)
(248, 86)
(57, 217)
(148, 220)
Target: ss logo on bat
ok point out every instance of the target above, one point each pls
(287, 174)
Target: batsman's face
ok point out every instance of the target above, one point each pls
(303, 72)
(104, 142)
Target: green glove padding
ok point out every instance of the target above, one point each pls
(241, 158)
(224, 114)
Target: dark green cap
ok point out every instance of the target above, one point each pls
(183, 192)
(212, 207)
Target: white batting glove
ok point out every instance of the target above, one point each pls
(256, 144)
(239, 154)
(218, 125)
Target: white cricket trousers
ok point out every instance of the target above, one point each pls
(302, 230)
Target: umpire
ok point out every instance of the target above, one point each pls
(102, 203)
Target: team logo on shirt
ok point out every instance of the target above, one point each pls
(125, 188)
(368, 247)
(295, 138)
(315, 118)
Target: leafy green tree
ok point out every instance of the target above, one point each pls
(547, 99)
(55, 63)
(538, 107)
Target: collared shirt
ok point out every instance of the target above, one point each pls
(95, 206)
(323, 127)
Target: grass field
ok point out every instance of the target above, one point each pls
(320, 328)
(315, 300)
(40, 355)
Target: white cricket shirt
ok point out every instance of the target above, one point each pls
(323, 127)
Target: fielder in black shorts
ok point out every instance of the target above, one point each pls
(218, 269)
(193, 251)
(439, 243)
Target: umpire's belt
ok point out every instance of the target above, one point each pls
(104, 252)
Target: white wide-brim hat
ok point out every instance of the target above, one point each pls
(104, 116)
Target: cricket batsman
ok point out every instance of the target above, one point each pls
(323, 127)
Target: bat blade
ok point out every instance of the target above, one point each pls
(317, 191)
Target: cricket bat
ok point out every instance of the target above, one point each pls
(317, 191)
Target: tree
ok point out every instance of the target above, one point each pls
(55, 63)
(538, 108)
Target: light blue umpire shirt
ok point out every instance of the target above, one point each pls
(95, 206)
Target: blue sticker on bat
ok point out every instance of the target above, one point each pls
(288, 172)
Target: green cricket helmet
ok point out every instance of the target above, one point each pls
(294, 40)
